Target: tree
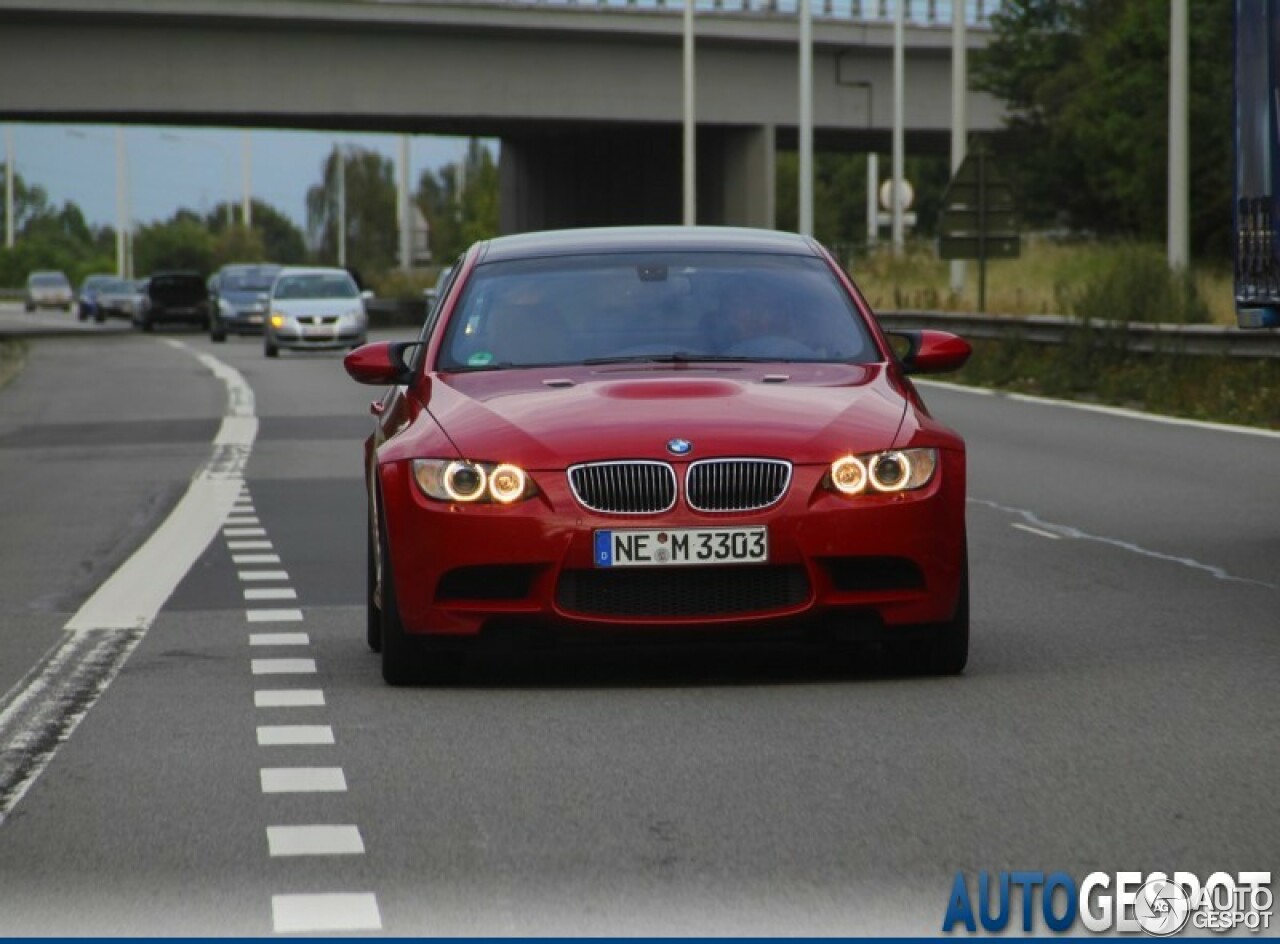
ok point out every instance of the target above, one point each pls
(181, 243)
(372, 233)
(1086, 84)
(275, 237)
(460, 202)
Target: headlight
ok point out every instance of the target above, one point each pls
(279, 320)
(462, 481)
(895, 470)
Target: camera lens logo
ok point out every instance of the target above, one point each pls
(1161, 908)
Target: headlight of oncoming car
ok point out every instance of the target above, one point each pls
(894, 470)
(279, 319)
(459, 480)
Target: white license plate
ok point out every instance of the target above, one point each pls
(682, 546)
(321, 332)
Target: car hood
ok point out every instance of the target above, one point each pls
(549, 418)
(303, 307)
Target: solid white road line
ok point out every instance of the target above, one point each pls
(303, 780)
(289, 735)
(273, 616)
(43, 710)
(288, 698)
(314, 840)
(270, 593)
(312, 914)
(284, 666)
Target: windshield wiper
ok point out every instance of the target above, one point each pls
(679, 357)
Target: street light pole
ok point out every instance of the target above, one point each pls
(246, 169)
(406, 221)
(8, 186)
(959, 115)
(806, 120)
(1179, 208)
(342, 208)
(899, 100)
(122, 205)
(690, 124)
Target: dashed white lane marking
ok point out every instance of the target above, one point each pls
(279, 639)
(284, 666)
(235, 521)
(244, 532)
(273, 616)
(270, 593)
(1037, 531)
(288, 698)
(314, 840)
(249, 575)
(249, 545)
(303, 780)
(263, 558)
(312, 914)
(288, 735)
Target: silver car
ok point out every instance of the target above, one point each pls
(314, 309)
(48, 290)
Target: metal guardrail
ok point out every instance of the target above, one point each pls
(1141, 337)
(916, 12)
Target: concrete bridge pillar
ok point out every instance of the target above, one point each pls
(624, 175)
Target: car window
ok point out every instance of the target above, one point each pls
(49, 281)
(676, 305)
(337, 285)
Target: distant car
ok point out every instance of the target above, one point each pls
(238, 297)
(87, 297)
(49, 289)
(678, 430)
(173, 298)
(116, 299)
(315, 309)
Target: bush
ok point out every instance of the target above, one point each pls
(1135, 284)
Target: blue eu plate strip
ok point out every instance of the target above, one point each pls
(604, 548)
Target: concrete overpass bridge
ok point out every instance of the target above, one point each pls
(585, 95)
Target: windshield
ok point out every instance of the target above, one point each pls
(48, 281)
(673, 306)
(248, 280)
(336, 285)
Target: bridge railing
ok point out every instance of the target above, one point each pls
(916, 12)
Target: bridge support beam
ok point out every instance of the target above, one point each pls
(620, 176)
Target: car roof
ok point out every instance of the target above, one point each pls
(645, 238)
(314, 270)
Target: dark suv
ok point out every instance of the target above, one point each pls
(172, 297)
(238, 299)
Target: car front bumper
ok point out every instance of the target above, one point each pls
(875, 562)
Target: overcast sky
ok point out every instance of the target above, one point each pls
(196, 168)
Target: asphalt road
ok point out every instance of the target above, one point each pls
(1120, 711)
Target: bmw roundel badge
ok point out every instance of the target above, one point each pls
(679, 447)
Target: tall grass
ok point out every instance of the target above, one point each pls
(1049, 278)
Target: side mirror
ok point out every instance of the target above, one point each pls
(367, 295)
(932, 352)
(380, 364)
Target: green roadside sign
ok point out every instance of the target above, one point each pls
(979, 218)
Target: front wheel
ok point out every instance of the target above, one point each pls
(270, 349)
(373, 614)
(945, 649)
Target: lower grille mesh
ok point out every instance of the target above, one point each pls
(689, 592)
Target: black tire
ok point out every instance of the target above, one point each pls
(217, 334)
(148, 325)
(373, 615)
(99, 318)
(269, 349)
(408, 659)
(945, 648)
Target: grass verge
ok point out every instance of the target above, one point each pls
(13, 357)
(1241, 391)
